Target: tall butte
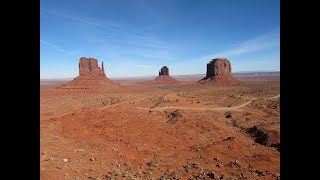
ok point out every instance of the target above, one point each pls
(164, 77)
(89, 67)
(91, 77)
(219, 72)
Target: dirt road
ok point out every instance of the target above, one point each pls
(234, 108)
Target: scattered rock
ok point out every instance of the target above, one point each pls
(237, 163)
(212, 175)
(234, 123)
(223, 177)
(276, 145)
(260, 173)
(219, 165)
(228, 115)
(173, 117)
(65, 160)
(152, 164)
(79, 150)
(228, 139)
(204, 174)
(259, 136)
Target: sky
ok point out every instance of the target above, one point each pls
(137, 37)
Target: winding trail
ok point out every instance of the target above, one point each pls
(274, 97)
(234, 108)
(105, 107)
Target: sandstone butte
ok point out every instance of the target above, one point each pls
(219, 72)
(164, 77)
(91, 77)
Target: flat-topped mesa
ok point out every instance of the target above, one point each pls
(218, 67)
(89, 67)
(164, 77)
(164, 71)
(219, 73)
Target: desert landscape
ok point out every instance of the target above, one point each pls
(217, 125)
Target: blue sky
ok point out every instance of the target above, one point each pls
(138, 37)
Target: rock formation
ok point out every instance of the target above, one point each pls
(218, 67)
(164, 71)
(89, 67)
(164, 77)
(219, 72)
(91, 77)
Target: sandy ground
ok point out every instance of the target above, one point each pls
(183, 131)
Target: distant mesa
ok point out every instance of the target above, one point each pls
(219, 72)
(164, 71)
(164, 77)
(91, 77)
(218, 67)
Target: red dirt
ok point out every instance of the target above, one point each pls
(91, 83)
(165, 79)
(129, 134)
(221, 80)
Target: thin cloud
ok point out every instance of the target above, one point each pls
(265, 41)
(119, 33)
(55, 47)
(259, 43)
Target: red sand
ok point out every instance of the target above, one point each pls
(174, 131)
(165, 79)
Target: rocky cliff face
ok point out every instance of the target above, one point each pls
(89, 67)
(164, 77)
(164, 71)
(219, 72)
(91, 78)
(218, 67)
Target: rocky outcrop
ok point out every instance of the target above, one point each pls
(218, 67)
(89, 67)
(164, 71)
(164, 77)
(219, 72)
(91, 78)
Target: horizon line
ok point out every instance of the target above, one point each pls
(118, 77)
